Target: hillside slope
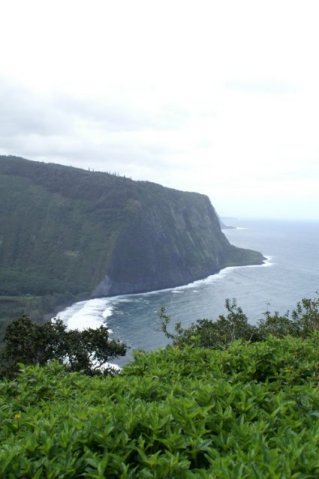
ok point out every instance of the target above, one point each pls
(63, 229)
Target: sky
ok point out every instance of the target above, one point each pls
(219, 97)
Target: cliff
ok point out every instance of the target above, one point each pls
(66, 230)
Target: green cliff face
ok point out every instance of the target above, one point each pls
(66, 230)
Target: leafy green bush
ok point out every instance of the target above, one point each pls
(301, 322)
(237, 409)
(217, 334)
(251, 411)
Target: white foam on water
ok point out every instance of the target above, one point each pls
(217, 276)
(92, 313)
(268, 262)
(108, 311)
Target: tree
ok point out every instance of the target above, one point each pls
(216, 334)
(303, 321)
(28, 342)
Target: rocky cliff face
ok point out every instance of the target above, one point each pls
(173, 238)
(66, 229)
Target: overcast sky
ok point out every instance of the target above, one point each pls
(219, 97)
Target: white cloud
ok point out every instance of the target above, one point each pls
(216, 97)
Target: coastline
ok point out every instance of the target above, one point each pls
(94, 312)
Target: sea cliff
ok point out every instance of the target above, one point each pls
(64, 230)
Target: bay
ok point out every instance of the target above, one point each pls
(290, 273)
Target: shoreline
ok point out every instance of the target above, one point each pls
(96, 311)
(58, 309)
(103, 307)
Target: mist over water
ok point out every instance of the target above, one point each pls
(292, 272)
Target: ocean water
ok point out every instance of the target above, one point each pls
(290, 273)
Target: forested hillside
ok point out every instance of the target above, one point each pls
(67, 233)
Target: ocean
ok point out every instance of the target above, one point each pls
(290, 273)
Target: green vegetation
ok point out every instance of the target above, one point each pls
(235, 409)
(12, 307)
(67, 233)
(218, 334)
(31, 343)
(251, 411)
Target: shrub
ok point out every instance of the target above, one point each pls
(248, 411)
(302, 321)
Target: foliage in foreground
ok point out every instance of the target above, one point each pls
(301, 322)
(250, 411)
(31, 343)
